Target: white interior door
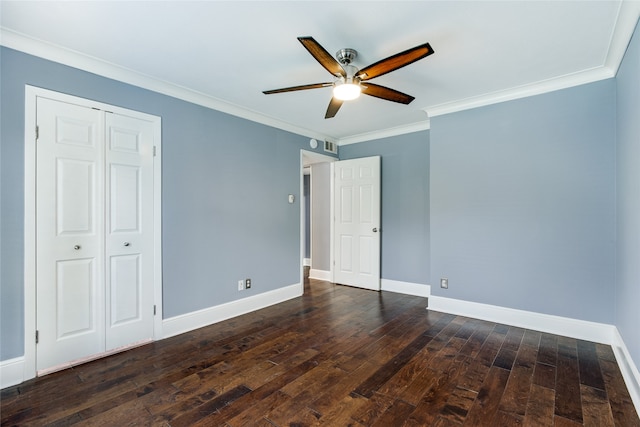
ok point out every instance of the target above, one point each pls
(69, 221)
(95, 233)
(129, 230)
(357, 222)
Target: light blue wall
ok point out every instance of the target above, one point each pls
(405, 203)
(225, 185)
(523, 203)
(628, 199)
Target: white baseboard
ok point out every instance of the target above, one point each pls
(11, 372)
(320, 275)
(628, 368)
(580, 329)
(306, 262)
(405, 288)
(198, 319)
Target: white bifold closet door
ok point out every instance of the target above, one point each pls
(94, 244)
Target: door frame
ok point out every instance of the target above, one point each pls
(308, 158)
(30, 169)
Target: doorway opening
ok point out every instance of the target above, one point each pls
(315, 224)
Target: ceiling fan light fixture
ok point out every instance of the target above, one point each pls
(346, 91)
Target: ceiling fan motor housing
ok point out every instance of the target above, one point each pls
(346, 56)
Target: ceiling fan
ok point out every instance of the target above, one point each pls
(348, 83)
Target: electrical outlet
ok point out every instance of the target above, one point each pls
(247, 283)
(241, 285)
(444, 283)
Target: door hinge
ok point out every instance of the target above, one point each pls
(154, 151)
(37, 132)
(154, 309)
(37, 337)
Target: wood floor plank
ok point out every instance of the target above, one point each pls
(545, 376)
(435, 399)
(559, 421)
(394, 415)
(624, 412)
(589, 367)
(333, 394)
(516, 394)
(372, 409)
(548, 350)
(477, 338)
(486, 405)
(255, 412)
(490, 348)
(420, 385)
(540, 407)
(474, 376)
(568, 404)
(337, 356)
(389, 369)
(342, 413)
(458, 404)
(596, 410)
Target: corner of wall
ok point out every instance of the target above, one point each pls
(628, 368)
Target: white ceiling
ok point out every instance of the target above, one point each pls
(223, 54)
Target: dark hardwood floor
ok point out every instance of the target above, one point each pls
(338, 356)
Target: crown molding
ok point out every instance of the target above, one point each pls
(628, 16)
(564, 82)
(71, 58)
(386, 133)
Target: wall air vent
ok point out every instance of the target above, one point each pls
(330, 147)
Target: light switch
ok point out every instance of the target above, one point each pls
(292, 198)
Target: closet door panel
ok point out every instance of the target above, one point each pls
(129, 240)
(70, 242)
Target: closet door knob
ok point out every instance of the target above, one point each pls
(77, 247)
(127, 244)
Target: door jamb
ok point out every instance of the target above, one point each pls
(31, 95)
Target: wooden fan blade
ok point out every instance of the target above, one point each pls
(322, 56)
(394, 62)
(334, 106)
(294, 88)
(386, 93)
